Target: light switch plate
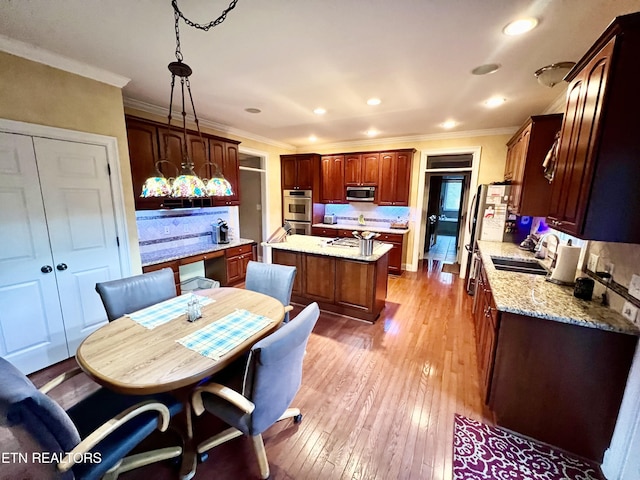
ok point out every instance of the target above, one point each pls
(634, 286)
(630, 311)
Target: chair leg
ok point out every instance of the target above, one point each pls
(290, 412)
(220, 438)
(261, 453)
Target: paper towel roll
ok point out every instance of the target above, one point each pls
(566, 264)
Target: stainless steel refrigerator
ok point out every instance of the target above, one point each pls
(490, 220)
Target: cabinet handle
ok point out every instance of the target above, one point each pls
(46, 269)
(61, 266)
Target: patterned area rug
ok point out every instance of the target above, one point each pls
(484, 452)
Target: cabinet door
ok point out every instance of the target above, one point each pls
(199, 153)
(580, 131)
(355, 283)
(517, 155)
(386, 178)
(304, 173)
(353, 170)
(225, 156)
(172, 148)
(234, 269)
(402, 178)
(332, 180)
(320, 272)
(143, 155)
(294, 260)
(289, 176)
(369, 169)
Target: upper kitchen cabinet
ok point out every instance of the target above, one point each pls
(394, 178)
(150, 142)
(299, 172)
(332, 179)
(597, 169)
(526, 152)
(224, 153)
(143, 154)
(361, 169)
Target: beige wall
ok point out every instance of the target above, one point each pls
(35, 93)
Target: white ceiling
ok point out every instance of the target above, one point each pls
(287, 57)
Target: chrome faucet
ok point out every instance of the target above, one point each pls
(540, 248)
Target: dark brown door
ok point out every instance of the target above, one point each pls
(352, 170)
(289, 166)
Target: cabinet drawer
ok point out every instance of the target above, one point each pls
(201, 257)
(391, 237)
(324, 232)
(346, 233)
(234, 251)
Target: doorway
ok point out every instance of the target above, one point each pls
(250, 211)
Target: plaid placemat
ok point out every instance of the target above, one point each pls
(164, 312)
(219, 337)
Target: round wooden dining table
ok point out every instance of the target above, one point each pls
(126, 357)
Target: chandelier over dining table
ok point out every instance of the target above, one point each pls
(187, 184)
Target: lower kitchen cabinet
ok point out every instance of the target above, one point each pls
(556, 382)
(320, 274)
(232, 268)
(173, 265)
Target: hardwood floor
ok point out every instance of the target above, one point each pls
(378, 400)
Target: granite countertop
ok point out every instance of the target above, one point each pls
(176, 253)
(532, 295)
(319, 246)
(362, 228)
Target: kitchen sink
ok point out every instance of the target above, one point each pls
(520, 266)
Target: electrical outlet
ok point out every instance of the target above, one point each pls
(630, 311)
(634, 286)
(166, 230)
(592, 264)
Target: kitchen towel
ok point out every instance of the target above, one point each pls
(566, 264)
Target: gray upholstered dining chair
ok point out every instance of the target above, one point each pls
(266, 387)
(91, 439)
(273, 280)
(127, 295)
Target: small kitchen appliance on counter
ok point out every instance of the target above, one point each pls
(220, 232)
(330, 219)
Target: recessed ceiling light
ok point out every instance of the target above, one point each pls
(374, 101)
(252, 110)
(312, 138)
(449, 124)
(486, 69)
(319, 111)
(520, 26)
(371, 132)
(495, 101)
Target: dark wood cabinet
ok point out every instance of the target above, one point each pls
(526, 151)
(225, 155)
(332, 179)
(149, 142)
(173, 265)
(395, 255)
(595, 180)
(320, 274)
(361, 169)
(299, 172)
(324, 232)
(486, 320)
(231, 269)
(394, 177)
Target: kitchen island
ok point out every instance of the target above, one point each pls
(337, 277)
(553, 367)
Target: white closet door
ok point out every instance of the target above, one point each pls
(32, 334)
(82, 230)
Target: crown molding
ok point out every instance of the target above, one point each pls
(162, 111)
(55, 60)
(414, 138)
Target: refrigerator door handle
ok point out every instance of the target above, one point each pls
(473, 204)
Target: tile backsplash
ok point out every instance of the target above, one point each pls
(161, 229)
(374, 215)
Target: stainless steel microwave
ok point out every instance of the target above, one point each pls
(361, 194)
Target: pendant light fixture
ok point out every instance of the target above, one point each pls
(187, 184)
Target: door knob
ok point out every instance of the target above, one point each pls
(46, 269)
(61, 266)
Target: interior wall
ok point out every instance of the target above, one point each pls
(31, 92)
